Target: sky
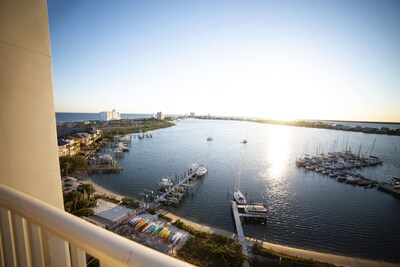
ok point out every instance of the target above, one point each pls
(286, 60)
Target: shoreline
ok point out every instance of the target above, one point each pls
(318, 256)
(303, 253)
(99, 189)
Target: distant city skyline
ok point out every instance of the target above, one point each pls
(326, 60)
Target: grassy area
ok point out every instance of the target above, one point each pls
(130, 203)
(268, 257)
(203, 249)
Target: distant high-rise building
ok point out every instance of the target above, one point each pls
(192, 114)
(160, 115)
(110, 115)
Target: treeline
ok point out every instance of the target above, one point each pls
(73, 164)
(81, 201)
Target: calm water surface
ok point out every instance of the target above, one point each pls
(307, 210)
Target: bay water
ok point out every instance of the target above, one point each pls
(306, 209)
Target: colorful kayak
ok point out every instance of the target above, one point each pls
(152, 229)
(141, 224)
(158, 230)
(130, 218)
(147, 227)
(134, 220)
(136, 223)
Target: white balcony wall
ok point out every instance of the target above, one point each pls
(28, 145)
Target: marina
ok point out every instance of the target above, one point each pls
(174, 193)
(341, 165)
(301, 203)
(103, 164)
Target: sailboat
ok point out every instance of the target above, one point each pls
(237, 195)
(209, 138)
(245, 140)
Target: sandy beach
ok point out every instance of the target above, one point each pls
(99, 189)
(318, 256)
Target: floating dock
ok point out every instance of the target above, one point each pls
(256, 210)
(104, 168)
(175, 193)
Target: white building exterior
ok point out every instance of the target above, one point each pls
(160, 115)
(110, 115)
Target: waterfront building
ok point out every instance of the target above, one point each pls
(160, 116)
(191, 114)
(105, 115)
(110, 115)
(35, 229)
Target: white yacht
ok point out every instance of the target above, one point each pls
(165, 183)
(201, 170)
(257, 208)
(193, 168)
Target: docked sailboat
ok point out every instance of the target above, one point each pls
(237, 195)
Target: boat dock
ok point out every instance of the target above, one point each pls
(176, 192)
(104, 168)
(239, 229)
(256, 210)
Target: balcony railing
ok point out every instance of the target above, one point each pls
(34, 233)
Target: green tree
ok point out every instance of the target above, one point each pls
(72, 164)
(87, 189)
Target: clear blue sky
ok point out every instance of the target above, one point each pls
(273, 59)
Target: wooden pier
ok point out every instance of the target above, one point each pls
(104, 168)
(239, 229)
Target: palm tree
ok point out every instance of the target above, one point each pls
(76, 197)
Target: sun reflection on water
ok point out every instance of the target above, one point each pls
(277, 152)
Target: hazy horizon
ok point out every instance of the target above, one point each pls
(320, 60)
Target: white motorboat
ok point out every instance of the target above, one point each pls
(193, 168)
(257, 208)
(201, 170)
(164, 184)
